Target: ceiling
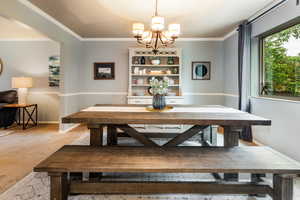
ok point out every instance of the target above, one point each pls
(114, 18)
(12, 29)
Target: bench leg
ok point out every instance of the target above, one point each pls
(59, 187)
(96, 140)
(282, 187)
(256, 178)
(112, 137)
(231, 139)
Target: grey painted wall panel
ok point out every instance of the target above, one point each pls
(283, 135)
(70, 47)
(32, 59)
(118, 52)
(231, 64)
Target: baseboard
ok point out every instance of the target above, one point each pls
(69, 129)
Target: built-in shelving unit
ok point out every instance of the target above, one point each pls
(141, 70)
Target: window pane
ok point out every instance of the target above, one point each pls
(281, 63)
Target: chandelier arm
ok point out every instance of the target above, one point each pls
(164, 43)
(156, 40)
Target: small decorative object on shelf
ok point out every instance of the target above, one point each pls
(136, 61)
(170, 61)
(159, 89)
(143, 60)
(155, 62)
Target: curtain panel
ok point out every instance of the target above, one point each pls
(244, 74)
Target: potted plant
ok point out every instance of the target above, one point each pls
(159, 90)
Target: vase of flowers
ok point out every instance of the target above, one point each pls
(159, 90)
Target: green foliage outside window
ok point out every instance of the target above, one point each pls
(281, 71)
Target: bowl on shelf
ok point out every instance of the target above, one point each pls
(155, 62)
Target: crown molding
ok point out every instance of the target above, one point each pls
(108, 39)
(231, 33)
(34, 8)
(25, 40)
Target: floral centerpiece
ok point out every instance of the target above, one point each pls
(159, 89)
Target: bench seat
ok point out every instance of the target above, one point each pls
(256, 160)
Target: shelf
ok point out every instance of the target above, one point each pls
(148, 85)
(154, 75)
(150, 65)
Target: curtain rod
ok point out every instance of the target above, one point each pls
(267, 11)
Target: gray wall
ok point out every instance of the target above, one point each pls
(231, 71)
(32, 59)
(197, 92)
(70, 50)
(283, 135)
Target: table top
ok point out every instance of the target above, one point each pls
(192, 115)
(18, 105)
(174, 159)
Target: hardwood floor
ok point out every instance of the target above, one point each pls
(21, 150)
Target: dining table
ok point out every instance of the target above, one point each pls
(122, 116)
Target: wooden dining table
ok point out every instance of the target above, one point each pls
(121, 116)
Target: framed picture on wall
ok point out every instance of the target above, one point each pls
(104, 71)
(54, 71)
(201, 70)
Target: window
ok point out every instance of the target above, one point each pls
(280, 61)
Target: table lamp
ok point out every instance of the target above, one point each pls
(22, 83)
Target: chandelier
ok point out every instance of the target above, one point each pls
(157, 37)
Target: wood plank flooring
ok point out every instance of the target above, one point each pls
(22, 150)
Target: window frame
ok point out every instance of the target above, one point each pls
(261, 77)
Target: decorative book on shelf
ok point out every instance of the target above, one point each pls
(144, 64)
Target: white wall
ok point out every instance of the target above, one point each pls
(28, 58)
(198, 92)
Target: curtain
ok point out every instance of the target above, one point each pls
(244, 74)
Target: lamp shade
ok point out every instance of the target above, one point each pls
(157, 23)
(21, 82)
(137, 29)
(174, 29)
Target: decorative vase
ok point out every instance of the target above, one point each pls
(159, 102)
(170, 61)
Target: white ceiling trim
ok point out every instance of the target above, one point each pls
(109, 39)
(25, 40)
(44, 14)
(231, 33)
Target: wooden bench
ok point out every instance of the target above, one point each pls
(257, 160)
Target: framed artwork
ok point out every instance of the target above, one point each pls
(54, 71)
(1, 66)
(104, 71)
(201, 70)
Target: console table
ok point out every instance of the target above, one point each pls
(24, 110)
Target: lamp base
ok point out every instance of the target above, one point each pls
(22, 96)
